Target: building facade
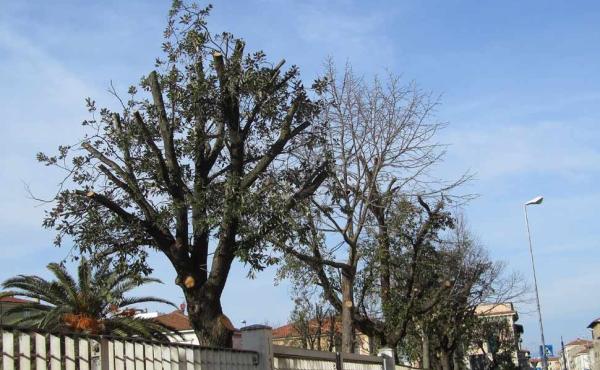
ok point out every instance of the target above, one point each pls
(577, 355)
(506, 316)
(554, 363)
(323, 336)
(595, 351)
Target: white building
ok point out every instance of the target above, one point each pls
(478, 357)
(183, 332)
(595, 351)
(577, 354)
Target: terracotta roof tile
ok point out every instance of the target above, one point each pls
(13, 300)
(579, 342)
(290, 331)
(179, 321)
(175, 320)
(284, 331)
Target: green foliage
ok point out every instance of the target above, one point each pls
(495, 338)
(206, 108)
(416, 283)
(455, 326)
(93, 302)
(200, 163)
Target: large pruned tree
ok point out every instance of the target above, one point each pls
(198, 165)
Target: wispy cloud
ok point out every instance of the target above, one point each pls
(552, 147)
(346, 32)
(42, 106)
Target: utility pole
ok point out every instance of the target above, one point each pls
(564, 357)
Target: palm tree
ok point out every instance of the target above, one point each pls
(94, 304)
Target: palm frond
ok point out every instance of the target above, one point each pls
(31, 321)
(34, 287)
(27, 308)
(135, 300)
(94, 296)
(131, 326)
(66, 281)
(53, 318)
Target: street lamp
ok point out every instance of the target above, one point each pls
(536, 201)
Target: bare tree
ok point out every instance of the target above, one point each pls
(380, 143)
(315, 322)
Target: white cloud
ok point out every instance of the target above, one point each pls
(503, 150)
(43, 103)
(346, 33)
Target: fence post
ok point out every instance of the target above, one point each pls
(388, 358)
(339, 361)
(104, 354)
(259, 338)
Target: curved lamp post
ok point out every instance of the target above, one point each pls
(536, 201)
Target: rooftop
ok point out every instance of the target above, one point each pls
(179, 321)
(594, 323)
(175, 320)
(495, 309)
(579, 342)
(290, 330)
(13, 300)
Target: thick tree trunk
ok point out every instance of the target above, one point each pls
(457, 360)
(426, 353)
(211, 326)
(445, 360)
(347, 311)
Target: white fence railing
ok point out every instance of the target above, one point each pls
(27, 350)
(38, 350)
(289, 358)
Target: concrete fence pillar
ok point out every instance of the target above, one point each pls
(100, 355)
(259, 338)
(389, 362)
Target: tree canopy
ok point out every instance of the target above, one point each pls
(198, 163)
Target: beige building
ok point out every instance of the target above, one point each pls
(325, 339)
(554, 363)
(577, 354)
(503, 312)
(595, 351)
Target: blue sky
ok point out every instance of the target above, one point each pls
(520, 88)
